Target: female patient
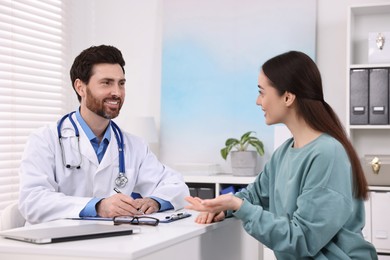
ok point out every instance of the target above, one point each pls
(309, 200)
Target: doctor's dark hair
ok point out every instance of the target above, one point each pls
(296, 73)
(84, 62)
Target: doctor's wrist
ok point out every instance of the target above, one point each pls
(158, 204)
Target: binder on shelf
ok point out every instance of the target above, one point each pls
(193, 191)
(228, 189)
(359, 97)
(379, 96)
(206, 193)
(202, 190)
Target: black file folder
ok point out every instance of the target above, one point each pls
(379, 97)
(359, 97)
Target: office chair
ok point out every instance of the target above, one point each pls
(11, 217)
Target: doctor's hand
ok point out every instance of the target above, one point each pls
(147, 205)
(117, 205)
(217, 205)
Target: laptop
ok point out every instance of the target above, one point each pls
(68, 233)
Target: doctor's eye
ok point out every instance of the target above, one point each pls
(105, 82)
(122, 84)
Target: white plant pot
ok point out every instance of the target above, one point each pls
(244, 163)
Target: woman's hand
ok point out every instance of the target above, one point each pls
(207, 218)
(217, 205)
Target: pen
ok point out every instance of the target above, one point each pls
(175, 216)
(118, 191)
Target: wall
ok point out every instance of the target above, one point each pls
(212, 54)
(135, 27)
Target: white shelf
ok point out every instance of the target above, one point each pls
(380, 188)
(362, 20)
(370, 66)
(369, 139)
(219, 179)
(368, 127)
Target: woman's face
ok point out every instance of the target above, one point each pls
(273, 105)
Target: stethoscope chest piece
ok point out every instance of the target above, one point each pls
(121, 180)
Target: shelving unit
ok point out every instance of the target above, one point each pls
(370, 139)
(367, 139)
(218, 181)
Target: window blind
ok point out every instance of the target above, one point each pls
(31, 80)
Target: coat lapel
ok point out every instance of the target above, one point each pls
(111, 156)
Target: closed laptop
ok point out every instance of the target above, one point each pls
(67, 233)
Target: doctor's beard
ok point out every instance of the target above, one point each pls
(98, 106)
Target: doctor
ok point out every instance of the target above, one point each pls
(84, 165)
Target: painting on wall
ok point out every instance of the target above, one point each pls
(212, 54)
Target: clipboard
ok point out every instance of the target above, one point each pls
(163, 217)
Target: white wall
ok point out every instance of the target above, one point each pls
(135, 27)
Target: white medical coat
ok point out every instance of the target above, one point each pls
(49, 190)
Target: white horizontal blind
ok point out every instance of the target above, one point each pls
(31, 80)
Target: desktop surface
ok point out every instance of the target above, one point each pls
(172, 240)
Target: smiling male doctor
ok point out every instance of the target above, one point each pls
(62, 176)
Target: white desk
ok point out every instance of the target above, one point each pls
(182, 239)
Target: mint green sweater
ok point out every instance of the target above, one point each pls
(301, 206)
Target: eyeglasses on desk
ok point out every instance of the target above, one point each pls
(136, 220)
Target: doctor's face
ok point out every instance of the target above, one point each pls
(105, 93)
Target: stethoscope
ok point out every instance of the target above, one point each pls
(121, 180)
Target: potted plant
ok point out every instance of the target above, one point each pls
(243, 161)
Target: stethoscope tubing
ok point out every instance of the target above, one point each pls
(119, 139)
(121, 180)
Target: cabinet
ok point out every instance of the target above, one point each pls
(378, 218)
(369, 138)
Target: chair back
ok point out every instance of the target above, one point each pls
(11, 217)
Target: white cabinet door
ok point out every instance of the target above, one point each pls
(380, 216)
(268, 254)
(367, 228)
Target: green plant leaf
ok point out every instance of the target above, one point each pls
(245, 137)
(224, 152)
(258, 145)
(231, 141)
(242, 144)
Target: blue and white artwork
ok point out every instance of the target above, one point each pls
(212, 54)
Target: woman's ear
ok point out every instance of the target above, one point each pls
(289, 98)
